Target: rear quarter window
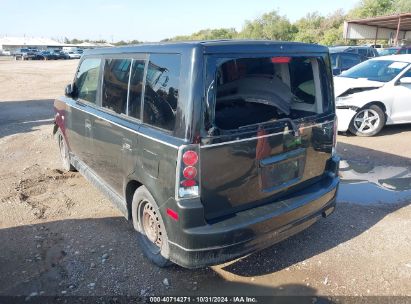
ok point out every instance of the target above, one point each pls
(162, 90)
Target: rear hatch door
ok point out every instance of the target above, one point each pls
(269, 130)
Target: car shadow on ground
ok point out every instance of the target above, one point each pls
(24, 116)
(67, 255)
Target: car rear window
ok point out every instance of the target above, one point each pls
(250, 91)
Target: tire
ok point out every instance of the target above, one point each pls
(151, 232)
(368, 121)
(64, 152)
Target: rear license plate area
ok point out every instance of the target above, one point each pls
(282, 170)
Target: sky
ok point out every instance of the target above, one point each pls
(150, 20)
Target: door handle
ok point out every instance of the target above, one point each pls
(87, 124)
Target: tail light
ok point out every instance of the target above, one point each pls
(187, 175)
(280, 59)
(335, 129)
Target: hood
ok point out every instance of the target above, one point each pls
(343, 84)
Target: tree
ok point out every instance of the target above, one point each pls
(309, 28)
(401, 6)
(372, 8)
(209, 34)
(271, 26)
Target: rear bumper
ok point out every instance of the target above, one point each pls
(254, 229)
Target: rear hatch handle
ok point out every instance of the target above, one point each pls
(292, 124)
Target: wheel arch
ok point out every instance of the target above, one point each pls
(131, 187)
(377, 103)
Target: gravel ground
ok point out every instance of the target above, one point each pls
(60, 236)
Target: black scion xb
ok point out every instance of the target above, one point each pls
(212, 149)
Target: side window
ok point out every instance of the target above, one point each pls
(333, 60)
(348, 61)
(402, 51)
(161, 91)
(115, 84)
(136, 88)
(87, 79)
(363, 52)
(407, 74)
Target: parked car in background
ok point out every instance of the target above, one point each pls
(25, 54)
(60, 54)
(405, 50)
(374, 93)
(46, 55)
(73, 55)
(364, 51)
(342, 61)
(388, 51)
(212, 149)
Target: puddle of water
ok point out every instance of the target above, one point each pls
(365, 183)
(370, 194)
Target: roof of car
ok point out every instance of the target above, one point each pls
(214, 46)
(346, 47)
(402, 57)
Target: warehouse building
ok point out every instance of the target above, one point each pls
(396, 29)
(12, 44)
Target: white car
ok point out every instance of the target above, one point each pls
(374, 93)
(74, 55)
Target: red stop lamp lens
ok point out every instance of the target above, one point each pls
(280, 59)
(188, 183)
(189, 172)
(190, 158)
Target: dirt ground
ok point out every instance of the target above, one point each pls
(60, 236)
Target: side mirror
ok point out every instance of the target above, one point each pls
(336, 71)
(405, 80)
(69, 90)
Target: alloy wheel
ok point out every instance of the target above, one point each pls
(366, 121)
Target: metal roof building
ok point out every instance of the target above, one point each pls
(14, 43)
(394, 28)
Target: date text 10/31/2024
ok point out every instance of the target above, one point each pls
(202, 299)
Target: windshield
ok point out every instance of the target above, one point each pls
(385, 52)
(376, 70)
